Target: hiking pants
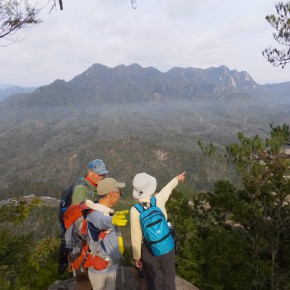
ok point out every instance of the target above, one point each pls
(105, 281)
(159, 270)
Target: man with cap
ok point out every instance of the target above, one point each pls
(104, 218)
(96, 172)
(144, 187)
(81, 192)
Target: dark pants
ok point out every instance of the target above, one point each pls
(82, 280)
(159, 270)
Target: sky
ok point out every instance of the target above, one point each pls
(158, 33)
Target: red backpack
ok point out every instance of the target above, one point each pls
(77, 239)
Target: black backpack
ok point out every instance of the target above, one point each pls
(66, 198)
(65, 202)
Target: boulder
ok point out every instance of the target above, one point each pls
(128, 279)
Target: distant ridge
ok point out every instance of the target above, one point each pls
(8, 90)
(134, 84)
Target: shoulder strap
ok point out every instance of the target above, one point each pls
(97, 235)
(153, 201)
(139, 207)
(81, 181)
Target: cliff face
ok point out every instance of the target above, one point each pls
(132, 281)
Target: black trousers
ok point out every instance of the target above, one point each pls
(159, 270)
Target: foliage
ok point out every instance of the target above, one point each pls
(17, 271)
(244, 232)
(281, 24)
(42, 251)
(42, 262)
(17, 210)
(206, 149)
(181, 217)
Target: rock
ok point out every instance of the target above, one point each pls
(133, 280)
(68, 284)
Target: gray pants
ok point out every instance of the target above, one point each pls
(159, 270)
(106, 281)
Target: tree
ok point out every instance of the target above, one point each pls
(187, 245)
(281, 23)
(245, 231)
(18, 14)
(26, 261)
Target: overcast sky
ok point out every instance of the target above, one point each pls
(158, 33)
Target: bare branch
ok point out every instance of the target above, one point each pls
(16, 15)
(281, 24)
(60, 4)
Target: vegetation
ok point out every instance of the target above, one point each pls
(233, 237)
(26, 260)
(238, 237)
(281, 24)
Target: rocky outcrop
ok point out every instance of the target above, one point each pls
(130, 280)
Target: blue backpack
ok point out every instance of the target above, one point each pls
(155, 229)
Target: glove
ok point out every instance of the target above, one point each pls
(119, 218)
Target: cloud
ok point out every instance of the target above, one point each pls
(158, 33)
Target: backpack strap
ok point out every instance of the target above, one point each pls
(81, 181)
(98, 235)
(153, 201)
(100, 242)
(139, 207)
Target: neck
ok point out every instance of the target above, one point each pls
(89, 179)
(105, 201)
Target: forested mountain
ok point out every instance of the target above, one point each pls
(135, 119)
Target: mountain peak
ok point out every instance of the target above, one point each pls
(134, 84)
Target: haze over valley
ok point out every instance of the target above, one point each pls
(136, 119)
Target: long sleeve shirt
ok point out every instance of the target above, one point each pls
(102, 220)
(136, 232)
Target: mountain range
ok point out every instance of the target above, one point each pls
(135, 119)
(8, 90)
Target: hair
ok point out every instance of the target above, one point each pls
(103, 196)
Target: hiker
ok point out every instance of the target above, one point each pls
(144, 187)
(82, 189)
(96, 172)
(104, 218)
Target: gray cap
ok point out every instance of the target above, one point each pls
(108, 185)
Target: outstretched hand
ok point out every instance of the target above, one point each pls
(119, 218)
(181, 176)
